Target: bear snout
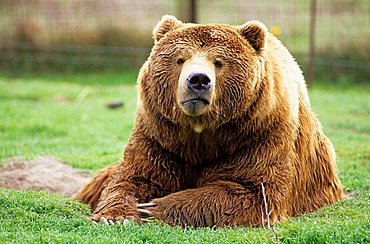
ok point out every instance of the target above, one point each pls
(198, 83)
(197, 93)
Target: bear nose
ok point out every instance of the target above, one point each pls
(198, 82)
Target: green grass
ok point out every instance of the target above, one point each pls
(41, 115)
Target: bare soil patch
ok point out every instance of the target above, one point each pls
(44, 173)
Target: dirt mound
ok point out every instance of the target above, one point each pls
(45, 173)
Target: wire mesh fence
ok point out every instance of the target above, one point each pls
(116, 34)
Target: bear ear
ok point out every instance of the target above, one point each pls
(255, 32)
(166, 24)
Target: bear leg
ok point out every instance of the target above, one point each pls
(217, 204)
(91, 192)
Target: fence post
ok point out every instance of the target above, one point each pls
(187, 10)
(311, 47)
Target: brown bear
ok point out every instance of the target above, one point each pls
(223, 123)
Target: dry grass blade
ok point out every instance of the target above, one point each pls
(267, 213)
(265, 205)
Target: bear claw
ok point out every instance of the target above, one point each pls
(123, 222)
(104, 220)
(142, 208)
(145, 205)
(145, 213)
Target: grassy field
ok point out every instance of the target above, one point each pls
(66, 117)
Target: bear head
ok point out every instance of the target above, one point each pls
(203, 76)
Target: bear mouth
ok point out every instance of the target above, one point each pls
(196, 100)
(194, 106)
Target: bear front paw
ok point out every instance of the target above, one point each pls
(168, 211)
(115, 208)
(120, 212)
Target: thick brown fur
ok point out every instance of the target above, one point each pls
(206, 169)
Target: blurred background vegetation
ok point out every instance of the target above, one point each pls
(115, 35)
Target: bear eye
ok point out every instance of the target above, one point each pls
(218, 64)
(180, 61)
